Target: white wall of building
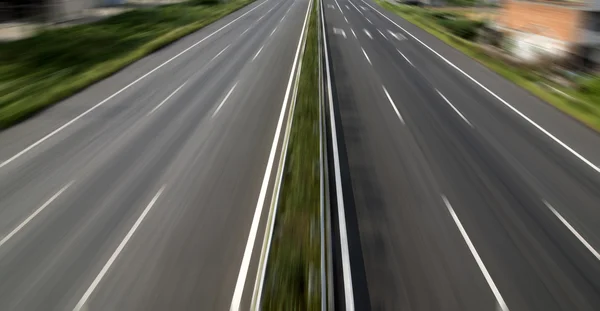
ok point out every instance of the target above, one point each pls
(530, 46)
(65, 9)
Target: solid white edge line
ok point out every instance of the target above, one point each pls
(166, 99)
(480, 263)
(224, 100)
(241, 280)
(558, 141)
(116, 253)
(455, 109)
(344, 249)
(366, 56)
(35, 213)
(406, 58)
(393, 104)
(256, 55)
(575, 233)
(41, 140)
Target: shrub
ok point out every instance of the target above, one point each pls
(442, 15)
(409, 10)
(591, 86)
(464, 28)
(205, 2)
(461, 3)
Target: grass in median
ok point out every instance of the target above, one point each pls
(585, 108)
(293, 272)
(54, 64)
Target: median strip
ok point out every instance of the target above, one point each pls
(293, 273)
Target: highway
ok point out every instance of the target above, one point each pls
(150, 190)
(458, 190)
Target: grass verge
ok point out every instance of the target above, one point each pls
(584, 108)
(293, 269)
(54, 64)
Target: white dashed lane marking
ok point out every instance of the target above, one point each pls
(397, 35)
(366, 56)
(340, 32)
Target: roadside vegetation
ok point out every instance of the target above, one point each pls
(461, 3)
(581, 99)
(293, 271)
(39, 71)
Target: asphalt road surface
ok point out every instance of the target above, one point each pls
(461, 191)
(148, 190)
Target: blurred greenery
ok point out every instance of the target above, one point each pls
(39, 71)
(582, 103)
(462, 27)
(293, 272)
(461, 2)
(591, 86)
(442, 15)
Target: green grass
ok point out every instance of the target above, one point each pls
(586, 108)
(54, 64)
(293, 271)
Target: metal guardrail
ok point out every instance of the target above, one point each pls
(327, 291)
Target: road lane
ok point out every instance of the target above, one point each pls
(187, 251)
(383, 170)
(552, 165)
(459, 143)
